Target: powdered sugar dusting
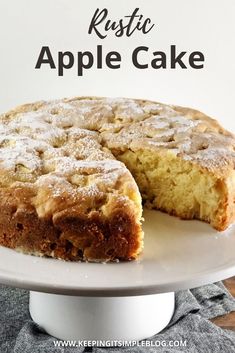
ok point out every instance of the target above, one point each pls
(191, 135)
(65, 145)
(57, 148)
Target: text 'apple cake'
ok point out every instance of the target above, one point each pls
(71, 171)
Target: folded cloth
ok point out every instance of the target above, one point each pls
(189, 330)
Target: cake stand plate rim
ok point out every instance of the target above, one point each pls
(177, 255)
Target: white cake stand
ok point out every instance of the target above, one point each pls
(127, 300)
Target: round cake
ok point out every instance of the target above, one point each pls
(75, 172)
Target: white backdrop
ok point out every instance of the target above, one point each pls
(205, 25)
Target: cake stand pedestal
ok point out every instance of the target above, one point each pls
(101, 318)
(129, 300)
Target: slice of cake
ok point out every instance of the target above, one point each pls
(69, 171)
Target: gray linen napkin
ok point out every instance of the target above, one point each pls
(189, 324)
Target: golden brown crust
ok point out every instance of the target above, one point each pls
(68, 237)
(64, 194)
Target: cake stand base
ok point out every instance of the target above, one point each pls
(101, 318)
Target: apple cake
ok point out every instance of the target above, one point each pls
(74, 173)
